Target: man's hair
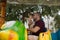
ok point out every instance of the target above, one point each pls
(38, 13)
(31, 14)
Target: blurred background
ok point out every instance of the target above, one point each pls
(49, 9)
(12, 10)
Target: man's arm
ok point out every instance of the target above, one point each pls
(34, 29)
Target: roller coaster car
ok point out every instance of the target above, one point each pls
(9, 34)
(45, 35)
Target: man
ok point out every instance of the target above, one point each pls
(37, 28)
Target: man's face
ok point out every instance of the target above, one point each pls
(34, 16)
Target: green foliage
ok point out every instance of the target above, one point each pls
(54, 9)
(57, 19)
(14, 10)
(46, 10)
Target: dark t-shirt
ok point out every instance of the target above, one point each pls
(41, 25)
